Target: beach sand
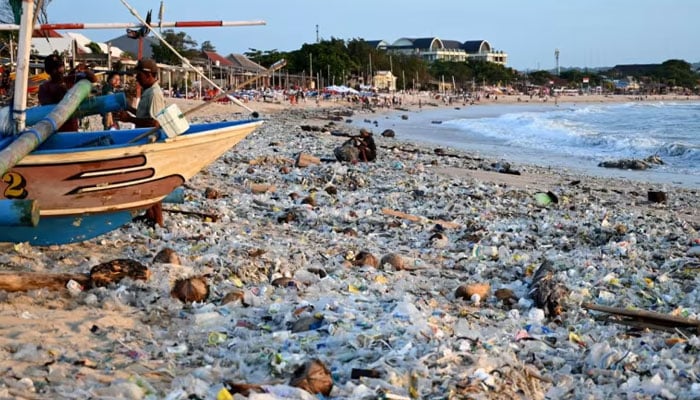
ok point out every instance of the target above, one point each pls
(608, 242)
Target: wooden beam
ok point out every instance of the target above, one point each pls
(25, 281)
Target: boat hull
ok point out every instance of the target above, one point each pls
(106, 182)
(67, 229)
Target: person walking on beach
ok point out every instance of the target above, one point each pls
(151, 103)
(53, 90)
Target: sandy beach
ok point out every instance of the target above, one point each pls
(292, 259)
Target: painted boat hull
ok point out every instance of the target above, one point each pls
(102, 185)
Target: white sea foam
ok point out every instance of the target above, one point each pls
(574, 136)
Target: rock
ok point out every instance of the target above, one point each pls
(389, 133)
(654, 160)
(625, 164)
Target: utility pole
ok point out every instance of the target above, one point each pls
(317, 37)
(370, 69)
(556, 56)
(311, 71)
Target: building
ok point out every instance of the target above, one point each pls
(434, 49)
(384, 80)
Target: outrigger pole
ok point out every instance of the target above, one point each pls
(123, 25)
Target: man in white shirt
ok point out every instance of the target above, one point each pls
(151, 103)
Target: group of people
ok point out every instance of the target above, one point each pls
(144, 115)
(146, 73)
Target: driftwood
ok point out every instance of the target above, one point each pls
(25, 281)
(100, 275)
(304, 160)
(438, 152)
(415, 218)
(646, 319)
(212, 217)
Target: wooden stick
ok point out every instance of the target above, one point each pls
(25, 281)
(213, 217)
(415, 218)
(643, 314)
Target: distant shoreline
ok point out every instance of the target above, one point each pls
(415, 102)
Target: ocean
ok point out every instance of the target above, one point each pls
(573, 136)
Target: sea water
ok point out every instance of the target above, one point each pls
(573, 136)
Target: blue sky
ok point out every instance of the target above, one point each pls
(588, 33)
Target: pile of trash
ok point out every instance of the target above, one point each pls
(369, 280)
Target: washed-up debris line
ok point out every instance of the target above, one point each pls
(379, 279)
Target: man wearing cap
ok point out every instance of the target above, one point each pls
(152, 100)
(151, 103)
(53, 90)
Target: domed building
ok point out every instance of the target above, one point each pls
(433, 49)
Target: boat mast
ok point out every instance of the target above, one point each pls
(19, 106)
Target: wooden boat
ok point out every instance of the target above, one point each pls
(109, 179)
(85, 184)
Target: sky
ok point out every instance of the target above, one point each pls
(587, 33)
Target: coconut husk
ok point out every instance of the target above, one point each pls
(191, 289)
(167, 256)
(314, 377)
(116, 270)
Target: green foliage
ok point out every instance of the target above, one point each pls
(677, 73)
(540, 77)
(180, 41)
(208, 46)
(265, 58)
(95, 48)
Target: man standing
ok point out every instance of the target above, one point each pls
(53, 90)
(152, 98)
(151, 103)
